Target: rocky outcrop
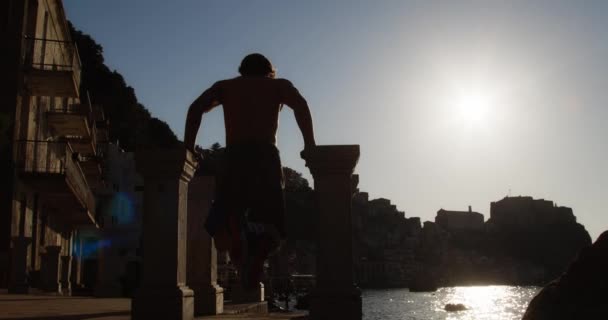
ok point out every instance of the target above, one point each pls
(581, 292)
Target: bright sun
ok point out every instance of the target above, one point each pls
(473, 107)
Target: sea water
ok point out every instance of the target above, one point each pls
(482, 303)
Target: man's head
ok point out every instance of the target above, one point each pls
(256, 64)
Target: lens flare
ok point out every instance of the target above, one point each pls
(122, 209)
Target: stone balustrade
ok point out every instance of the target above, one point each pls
(169, 267)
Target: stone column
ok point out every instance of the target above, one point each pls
(202, 256)
(335, 295)
(66, 274)
(18, 280)
(163, 293)
(50, 269)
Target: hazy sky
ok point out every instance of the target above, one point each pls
(454, 103)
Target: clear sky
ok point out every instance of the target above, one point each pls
(454, 103)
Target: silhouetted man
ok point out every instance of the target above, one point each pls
(249, 198)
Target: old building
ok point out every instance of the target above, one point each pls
(526, 211)
(384, 242)
(119, 206)
(52, 136)
(459, 220)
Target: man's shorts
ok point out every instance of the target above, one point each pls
(250, 185)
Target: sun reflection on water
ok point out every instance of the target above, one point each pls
(484, 302)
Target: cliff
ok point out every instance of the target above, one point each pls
(581, 292)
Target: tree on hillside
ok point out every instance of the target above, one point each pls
(294, 182)
(130, 122)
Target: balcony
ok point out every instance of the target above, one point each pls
(75, 123)
(52, 169)
(51, 68)
(70, 121)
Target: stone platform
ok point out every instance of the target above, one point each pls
(53, 307)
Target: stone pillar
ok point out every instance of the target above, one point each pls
(163, 293)
(18, 280)
(335, 295)
(66, 274)
(202, 256)
(50, 269)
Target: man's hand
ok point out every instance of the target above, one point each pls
(198, 155)
(308, 149)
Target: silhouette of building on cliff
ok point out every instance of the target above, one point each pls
(526, 211)
(455, 221)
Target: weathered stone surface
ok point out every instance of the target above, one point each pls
(18, 282)
(163, 293)
(580, 293)
(335, 295)
(51, 269)
(201, 271)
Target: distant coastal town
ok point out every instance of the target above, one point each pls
(525, 241)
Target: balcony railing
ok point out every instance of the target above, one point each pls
(76, 123)
(53, 169)
(52, 67)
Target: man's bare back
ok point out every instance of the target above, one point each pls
(251, 109)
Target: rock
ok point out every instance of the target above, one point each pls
(581, 292)
(453, 307)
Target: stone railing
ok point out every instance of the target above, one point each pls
(165, 293)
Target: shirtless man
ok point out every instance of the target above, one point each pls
(250, 183)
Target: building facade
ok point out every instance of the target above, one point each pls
(53, 139)
(459, 220)
(118, 241)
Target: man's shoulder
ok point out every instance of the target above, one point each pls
(284, 84)
(236, 80)
(223, 82)
(283, 81)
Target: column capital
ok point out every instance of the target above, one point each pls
(331, 159)
(165, 163)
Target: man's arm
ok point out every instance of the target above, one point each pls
(292, 97)
(204, 103)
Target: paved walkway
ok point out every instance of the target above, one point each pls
(50, 307)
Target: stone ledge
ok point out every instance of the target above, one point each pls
(246, 308)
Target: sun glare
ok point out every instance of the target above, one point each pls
(473, 107)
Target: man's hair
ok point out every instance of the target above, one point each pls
(256, 64)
